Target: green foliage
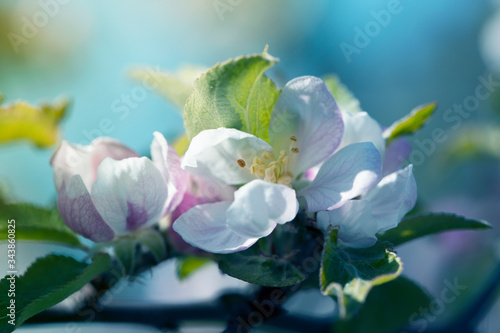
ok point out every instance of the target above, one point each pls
(175, 87)
(37, 224)
(37, 124)
(388, 308)
(349, 274)
(152, 240)
(416, 226)
(126, 252)
(47, 282)
(185, 266)
(343, 96)
(473, 142)
(255, 267)
(235, 94)
(411, 123)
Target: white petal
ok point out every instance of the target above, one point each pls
(204, 226)
(258, 206)
(129, 194)
(360, 127)
(307, 111)
(357, 227)
(345, 175)
(215, 153)
(393, 197)
(79, 213)
(74, 159)
(166, 159)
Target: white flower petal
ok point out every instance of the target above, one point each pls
(74, 159)
(393, 197)
(345, 175)
(204, 226)
(79, 213)
(357, 227)
(129, 194)
(216, 152)
(166, 159)
(360, 127)
(258, 206)
(307, 111)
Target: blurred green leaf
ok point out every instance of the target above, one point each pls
(235, 94)
(389, 308)
(39, 125)
(343, 96)
(126, 252)
(254, 267)
(411, 123)
(47, 281)
(154, 242)
(175, 87)
(185, 266)
(416, 226)
(349, 274)
(473, 142)
(37, 224)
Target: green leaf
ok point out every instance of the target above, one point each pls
(235, 94)
(349, 274)
(154, 242)
(47, 281)
(343, 96)
(420, 225)
(252, 266)
(37, 224)
(126, 252)
(185, 266)
(411, 123)
(389, 308)
(39, 125)
(175, 87)
(473, 142)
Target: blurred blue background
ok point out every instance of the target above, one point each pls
(424, 51)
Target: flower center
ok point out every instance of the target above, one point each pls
(273, 170)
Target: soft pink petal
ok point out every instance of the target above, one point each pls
(307, 111)
(204, 226)
(347, 174)
(79, 213)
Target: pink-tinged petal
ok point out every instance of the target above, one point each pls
(74, 159)
(258, 206)
(129, 194)
(357, 227)
(166, 159)
(347, 174)
(225, 154)
(396, 154)
(204, 226)
(79, 213)
(188, 201)
(306, 111)
(360, 127)
(393, 198)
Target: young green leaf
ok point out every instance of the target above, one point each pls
(349, 274)
(388, 308)
(343, 96)
(411, 123)
(175, 87)
(251, 266)
(47, 281)
(37, 224)
(154, 242)
(22, 121)
(420, 225)
(185, 266)
(126, 252)
(235, 94)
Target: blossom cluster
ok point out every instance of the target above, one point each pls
(232, 188)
